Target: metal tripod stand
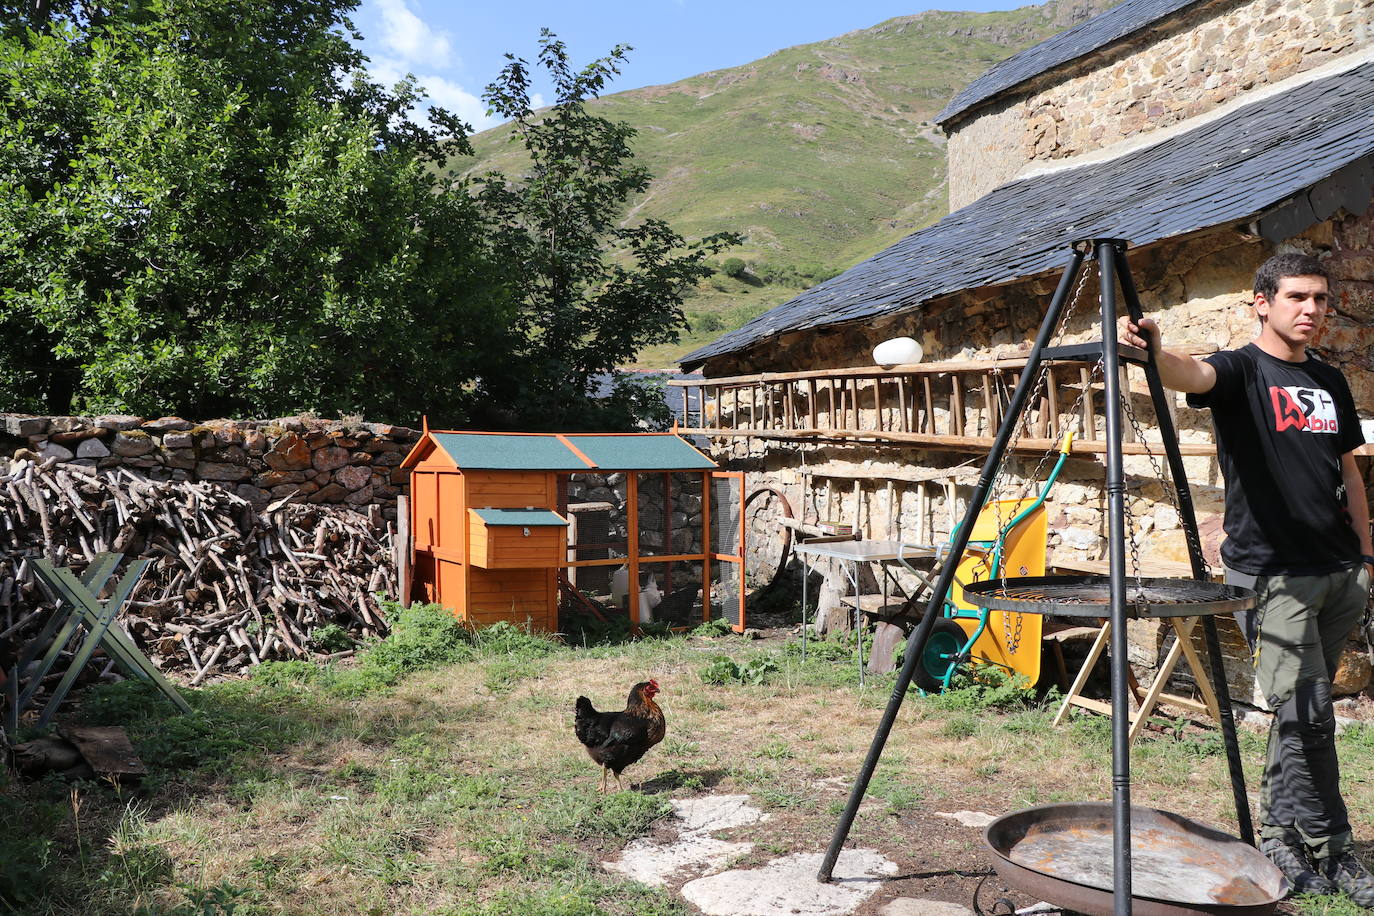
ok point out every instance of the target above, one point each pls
(1113, 269)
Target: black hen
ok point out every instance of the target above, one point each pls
(617, 739)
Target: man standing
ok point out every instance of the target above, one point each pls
(1297, 531)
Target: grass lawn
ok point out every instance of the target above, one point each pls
(441, 775)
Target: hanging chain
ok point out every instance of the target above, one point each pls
(1170, 490)
(1012, 632)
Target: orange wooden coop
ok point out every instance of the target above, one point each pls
(504, 526)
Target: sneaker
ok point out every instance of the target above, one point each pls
(1292, 861)
(1349, 874)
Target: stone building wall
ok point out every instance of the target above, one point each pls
(1198, 290)
(1201, 60)
(320, 461)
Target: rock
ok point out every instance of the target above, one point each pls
(92, 448)
(254, 441)
(280, 478)
(1166, 518)
(229, 434)
(911, 906)
(17, 425)
(359, 497)
(1353, 674)
(117, 422)
(132, 443)
(65, 424)
(164, 424)
(53, 450)
(353, 477)
(178, 440)
(291, 453)
(254, 495)
(329, 458)
(389, 459)
(210, 470)
(1080, 539)
(232, 454)
(330, 493)
(183, 458)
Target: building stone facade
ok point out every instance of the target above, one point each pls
(1191, 64)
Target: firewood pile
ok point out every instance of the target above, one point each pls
(229, 586)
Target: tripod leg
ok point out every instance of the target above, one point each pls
(1116, 552)
(916, 642)
(1188, 519)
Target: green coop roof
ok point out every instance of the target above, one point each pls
(521, 518)
(497, 452)
(570, 452)
(640, 452)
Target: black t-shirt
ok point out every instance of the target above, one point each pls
(1281, 431)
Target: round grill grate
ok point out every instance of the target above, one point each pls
(1090, 596)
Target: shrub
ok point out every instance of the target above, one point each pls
(733, 267)
(723, 670)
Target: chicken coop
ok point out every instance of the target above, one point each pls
(516, 526)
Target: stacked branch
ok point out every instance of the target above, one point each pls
(228, 586)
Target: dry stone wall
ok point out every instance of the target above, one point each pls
(1203, 59)
(316, 461)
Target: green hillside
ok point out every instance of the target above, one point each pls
(820, 155)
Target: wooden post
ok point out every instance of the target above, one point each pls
(956, 405)
(708, 543)
(878, 403)
(928, 426)
(811, 401)
(402, 548)
(904, 417)
(1089, 418)
(632, 544)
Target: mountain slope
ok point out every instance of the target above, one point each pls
(821, 154)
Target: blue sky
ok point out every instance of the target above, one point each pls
(457, 48)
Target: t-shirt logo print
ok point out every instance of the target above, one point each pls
(1311, 409)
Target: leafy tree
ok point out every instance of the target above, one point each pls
(206, 208)
(587, 290)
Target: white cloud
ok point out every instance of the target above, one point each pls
(440, 91)
(455, 98)
(411, 38)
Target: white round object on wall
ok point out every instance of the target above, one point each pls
(899, 351)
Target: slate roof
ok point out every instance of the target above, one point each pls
(1082, 39)
(1229, 170)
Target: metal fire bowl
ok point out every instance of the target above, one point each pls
(1062, 854)
(1090, 596)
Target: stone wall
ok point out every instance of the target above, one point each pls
(1201, 59)
(321, 461)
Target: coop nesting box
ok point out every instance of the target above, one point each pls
(489, 517)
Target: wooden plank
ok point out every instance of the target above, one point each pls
(957, 443)
(811, 401)
(854, 401)
(108, 750)
(933, 368)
